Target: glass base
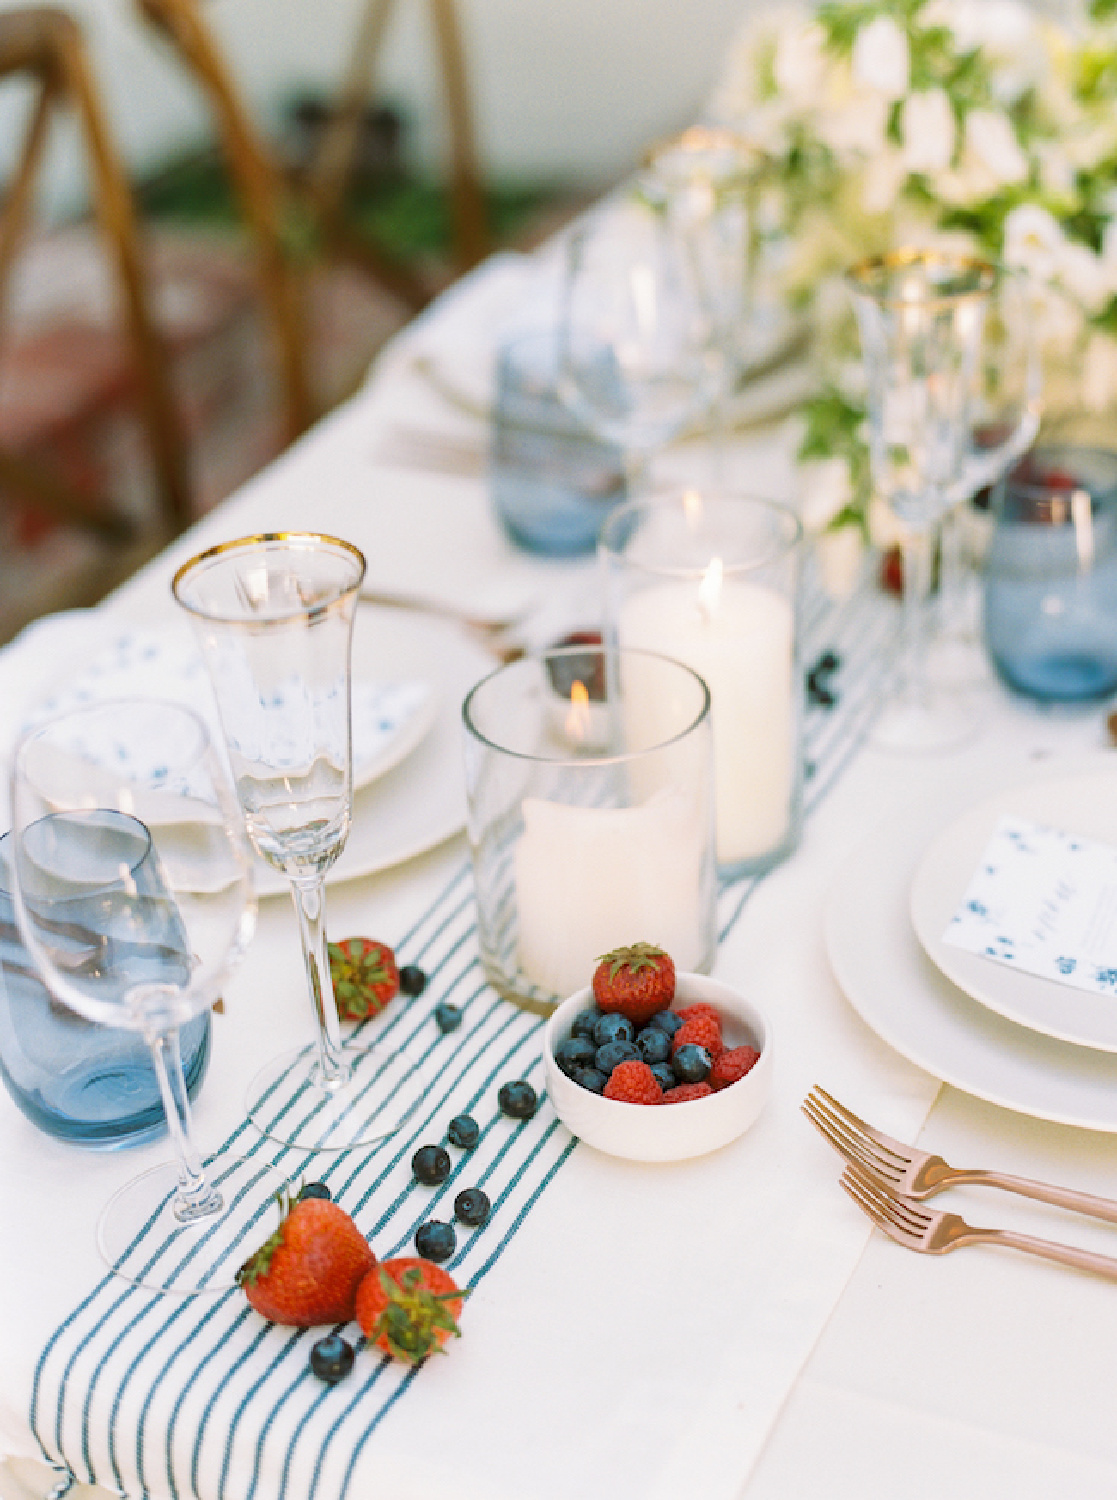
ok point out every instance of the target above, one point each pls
(287, 1103)
(937, 721)
(144, 1241)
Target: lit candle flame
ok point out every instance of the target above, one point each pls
(709, 590)
(578, 719)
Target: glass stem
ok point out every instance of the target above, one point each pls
(310, 907)
(916, 549)
(195, 1198)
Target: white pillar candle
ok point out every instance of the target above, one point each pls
(742, 642)
(590, 879)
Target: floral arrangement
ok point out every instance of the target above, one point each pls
(981, 125)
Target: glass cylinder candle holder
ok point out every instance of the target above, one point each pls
(589, 776)
(713, 581)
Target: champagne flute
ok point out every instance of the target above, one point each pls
(640, 350)
(133, 894)
(921, 317)
(274, 615)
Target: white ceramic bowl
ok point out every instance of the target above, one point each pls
(667, 1132)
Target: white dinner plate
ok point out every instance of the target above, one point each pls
(900, 994)
(1085, 805)
(420, 803)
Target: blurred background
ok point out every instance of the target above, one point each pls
(215, 212)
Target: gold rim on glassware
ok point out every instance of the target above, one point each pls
(859, 276)
(317, 537)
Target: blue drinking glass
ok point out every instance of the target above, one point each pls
(89, 1084)
(1050, 594)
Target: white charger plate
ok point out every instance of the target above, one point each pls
(1082, 804)
(899, 993)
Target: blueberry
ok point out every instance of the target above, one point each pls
(590, 1078)
(331, 1358)
(412, 980)
(653, 1044)
(613, 1028)
(435, 1240)
(463, 1131)
(472, 1206)
(431, 1165)
(313, 1190)
(691, 1063)
(664, 1075)
(447, 1017)
(585, 1021)
(668, 1021)
(518, 1099)
(613, 1053)
(575, 1052)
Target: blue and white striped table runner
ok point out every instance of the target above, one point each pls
(157, 1395)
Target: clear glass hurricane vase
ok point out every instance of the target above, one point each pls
(921, 318)
(274, 615)
(134, 897)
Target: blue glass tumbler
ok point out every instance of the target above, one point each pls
(1050, 593)
(553, 481)
(89, 1084)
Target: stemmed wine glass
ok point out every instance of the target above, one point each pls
(640, 351)
(274, 615)
(133, 894)
(922, 320)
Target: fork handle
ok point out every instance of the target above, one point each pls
(1066, 1255)
(1079, 1203)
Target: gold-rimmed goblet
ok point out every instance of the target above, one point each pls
(133, 893)
(274, 616)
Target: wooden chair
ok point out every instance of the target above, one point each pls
(44, 45)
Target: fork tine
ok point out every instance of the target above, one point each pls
(901, 1212)
(885, 1143)
(847, 1139)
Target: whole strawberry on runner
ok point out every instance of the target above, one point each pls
(409, 1307)
(638, 981)
(309, 1270)
(365, 977)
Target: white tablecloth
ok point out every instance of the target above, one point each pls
(710, 1329)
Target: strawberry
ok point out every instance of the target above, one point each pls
(638, 981)
(732, 1065)
(309, 1270)
(633, 1082)
(702, 1031)
(684, 1091)
(364, 975)
(409, 1307)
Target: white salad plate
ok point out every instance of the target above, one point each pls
(888, 979)
(1083, 804)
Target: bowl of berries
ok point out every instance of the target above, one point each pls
(641, 1035)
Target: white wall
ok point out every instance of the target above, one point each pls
(569, 90)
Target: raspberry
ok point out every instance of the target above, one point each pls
(699, 1008)
(731, 1066)
(702, 1031)
(685, 1091)
(633, 1082)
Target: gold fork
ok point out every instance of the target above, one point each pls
(934, 1233)
(918, 1174)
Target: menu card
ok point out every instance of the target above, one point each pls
(1045, 902)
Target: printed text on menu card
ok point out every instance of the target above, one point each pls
(1044, 902)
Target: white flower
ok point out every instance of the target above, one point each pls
(800, 63)
(1056, 170)
(880, 58)
(884, 177)
(992, 141)
(1033, 240)
(825, 490)
(839, 557)
(856, 126)
(1085, 275)
(927, 129)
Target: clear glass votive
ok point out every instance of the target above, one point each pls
(553, 481)
(77, 1080)
(713, 581)
(589, 776)
(1050, 595)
